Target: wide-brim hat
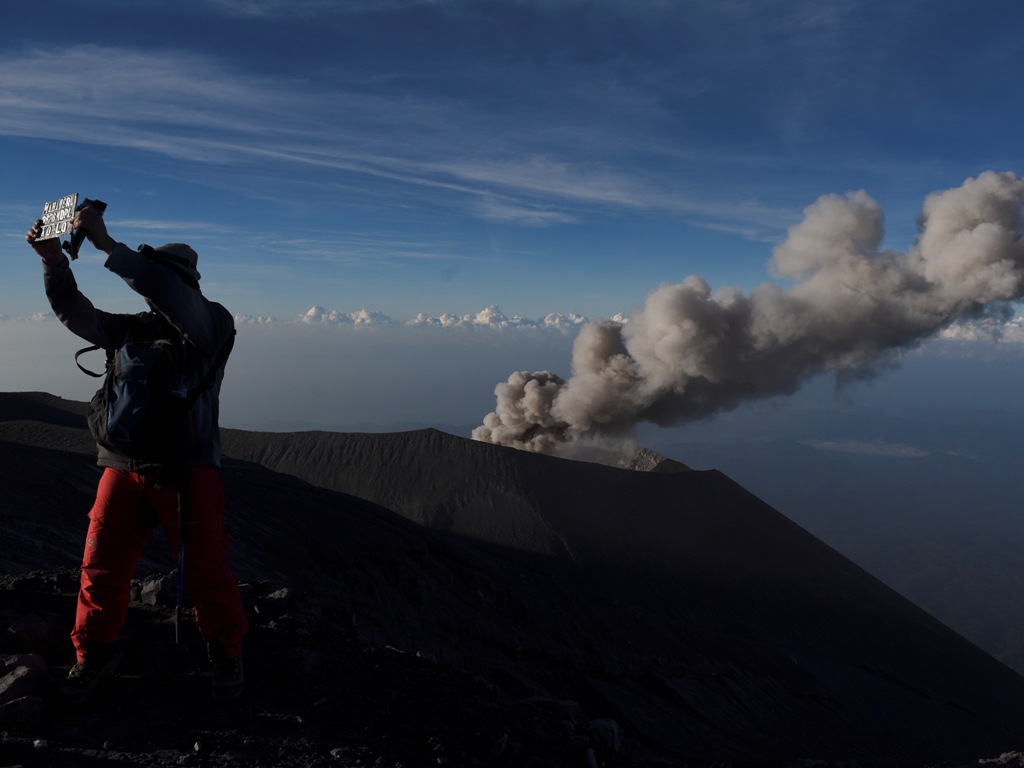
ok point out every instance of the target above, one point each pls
(179, 257)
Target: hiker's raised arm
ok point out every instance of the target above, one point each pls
(68, 303)
(90, 221)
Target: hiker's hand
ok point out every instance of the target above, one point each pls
(91, 222)
(49, 250)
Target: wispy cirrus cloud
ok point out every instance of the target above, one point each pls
(291, 8)
(434, 147)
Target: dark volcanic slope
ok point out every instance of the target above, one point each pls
(699, 593)
(709, 626)
(681, 589)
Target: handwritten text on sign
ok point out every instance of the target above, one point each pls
(57, 217)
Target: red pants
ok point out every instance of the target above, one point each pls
(128, 504)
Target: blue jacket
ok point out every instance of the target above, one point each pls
(204, 324)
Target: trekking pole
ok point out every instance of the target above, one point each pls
(182, 490)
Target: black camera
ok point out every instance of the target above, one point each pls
(77, 235)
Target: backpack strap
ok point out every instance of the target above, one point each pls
(83, 369)
(211, 373)
(205, 384)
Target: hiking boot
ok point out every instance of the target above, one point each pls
(228, 675)
(85, 678)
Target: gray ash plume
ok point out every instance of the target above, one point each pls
(847, 307)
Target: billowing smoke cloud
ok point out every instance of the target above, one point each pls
(691, 353)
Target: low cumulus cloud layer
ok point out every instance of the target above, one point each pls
(849, 305)
(1009, 330)
(490, 317)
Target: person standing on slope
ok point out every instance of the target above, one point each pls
(135, 493)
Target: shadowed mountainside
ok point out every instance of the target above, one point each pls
(708, 626)
(927, 500)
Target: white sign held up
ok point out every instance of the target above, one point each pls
(57, 217)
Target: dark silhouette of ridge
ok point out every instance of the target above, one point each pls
(42, 407)
(711, 628)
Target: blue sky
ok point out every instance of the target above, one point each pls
(548, 157)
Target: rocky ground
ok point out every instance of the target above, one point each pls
(315, 696)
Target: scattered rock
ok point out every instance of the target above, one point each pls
(32, 632)
(30, 660)
(24, 687)
(606, 735)
(22, 713)
(1007, 758)
(155, 591)
(24, 681)
(275, 604)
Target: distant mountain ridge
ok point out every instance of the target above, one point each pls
(704, 621)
